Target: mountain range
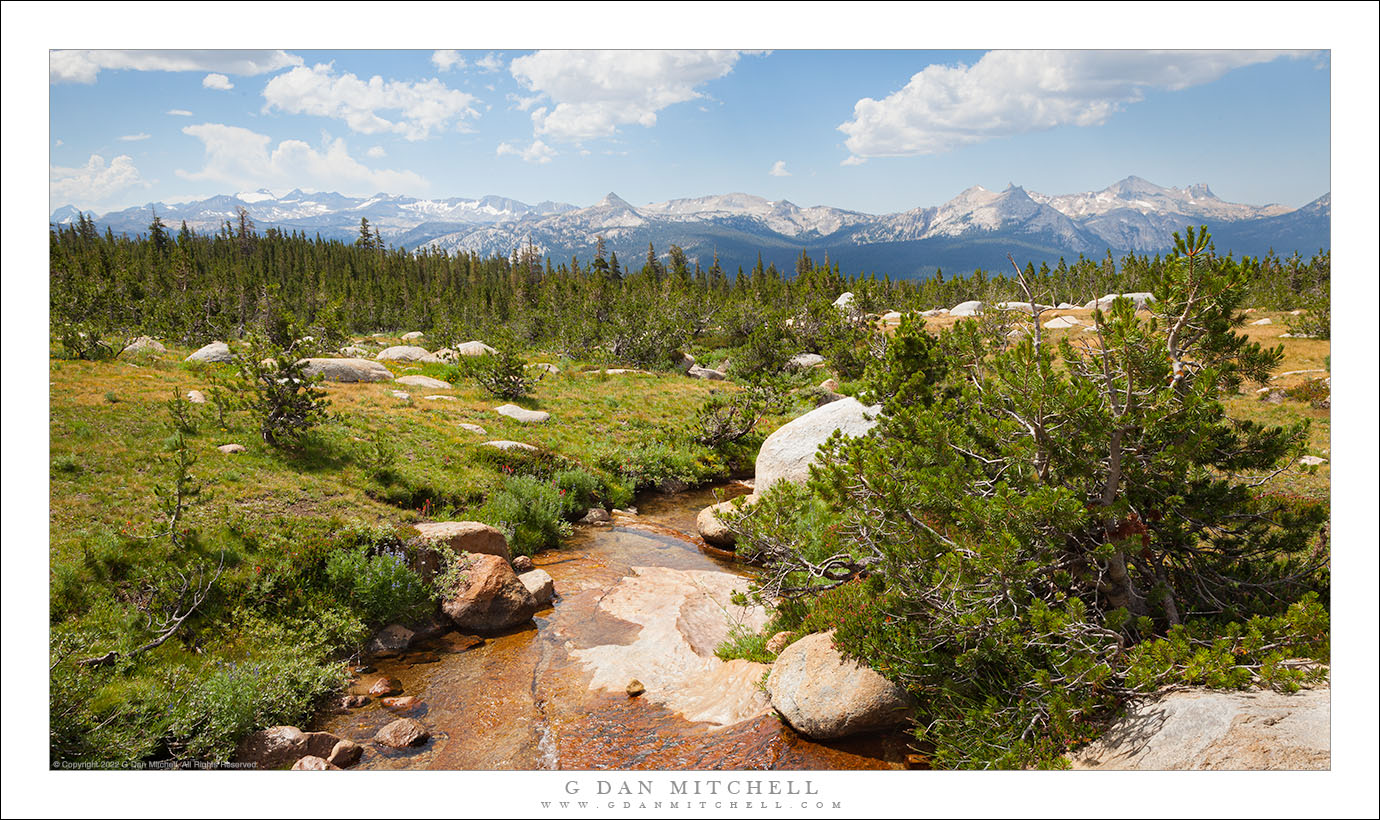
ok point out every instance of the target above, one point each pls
(975, 229)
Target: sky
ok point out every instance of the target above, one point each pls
(873, 130)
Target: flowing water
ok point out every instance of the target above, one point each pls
(645, 599)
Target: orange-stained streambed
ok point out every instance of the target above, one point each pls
(523, 700)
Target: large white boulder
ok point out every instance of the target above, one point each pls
(474, 348)
(1141, 299)
(346, 370)
(786, 455)
(213, 352)
(822, 695)
(970, 308)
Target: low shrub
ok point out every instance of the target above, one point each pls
(531, 512)
(380, 587)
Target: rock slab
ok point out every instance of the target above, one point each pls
(1203, 729)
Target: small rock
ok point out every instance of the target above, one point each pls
(1312, 461)
(413, 336)
(522, 414)
(474, 348)
(353, 701)
(384, 686)
(195, 397)
(712, 528)
(779, 641)
(145, 344)
(402, 733)
(1259, 322)
(422, 658)
(398, 394)
(312, 763)
(272, 748)
(1060, 322)
(969, 308)
(473, 428)
(697, 372)
(522, 564)
(596, 515)
(510, 445)
(635, 688)
(456, 642)
(426, 382)
(345, 753)
(464, 536)
(439, 397)
(402, 353)
(229, 449)
(540, 584)
(403, 702)
(349, 371)
(805, 361)
(389, 641)
(832, 385)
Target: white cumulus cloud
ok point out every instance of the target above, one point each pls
(219, 82)
(422, 107)
(488, 63)
(83, 66)
(538, 152)
(179, 112)
(1015, 92)
(778, 169)
(376, 152)
(447, 58)
(593, 93)
(244, 159)
(94, 183)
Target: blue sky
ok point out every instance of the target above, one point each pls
(131, 127)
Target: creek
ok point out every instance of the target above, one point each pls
(642, 599)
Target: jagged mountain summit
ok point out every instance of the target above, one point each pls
(977, 228)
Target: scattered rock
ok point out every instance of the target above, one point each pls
(1259, 322)
(1139, 299)
(145, 344)
(230, 449)
(488, 596)
(213, 352)
(1061, 322)
(320, 744)
(935, 312)
(697, 372)
(413, 336)
(1273, 395)
(399, 394)
(473, 428)
(456, 642)
(823, 696)
(403, 703)
(1204, 729)
(389, 641)
(425, 381)
(354, 352)
(635, 688)
(544, 367)
(540, 584)
(596, 515)
(346, 370)
(844, 302)
(1024, 307)
(344, 754)
(353, 701)
(713, 529)
(464, 536)
(788, 452)
(779, 641)
(510, 445)
(272, 748)
(402, 733)
(196, 397)
(805, 361)
(384, 686)
(522, 414)
(439, 397)
(402, 353)
(474, 348)
(1312, 461)
(892, 317)
(970, 308)
(312, 763)
(1067, 306)
(523, 563)
(832, 385)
